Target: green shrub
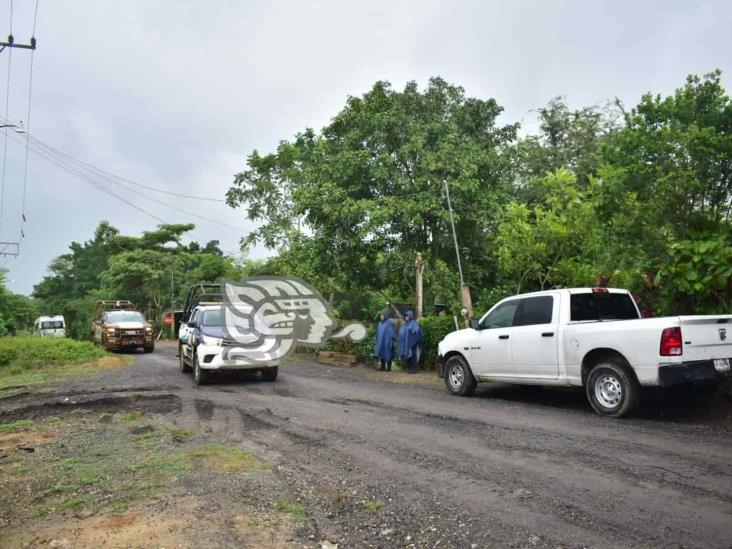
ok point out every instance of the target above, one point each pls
(28, 352)
(434, 329)
(363, 349)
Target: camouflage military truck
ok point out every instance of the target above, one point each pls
(119, 325)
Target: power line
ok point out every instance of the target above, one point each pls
(108, 174)
(83, 165)
(86, 178)
(27, 124)
(35, 18)
(67, 164)
(131, 182)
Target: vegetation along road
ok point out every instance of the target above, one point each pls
(349, 456)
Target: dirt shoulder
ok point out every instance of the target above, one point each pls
(106, 477)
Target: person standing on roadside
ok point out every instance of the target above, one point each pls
(384, 347)
(410, 342)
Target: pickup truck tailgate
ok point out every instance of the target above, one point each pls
(706, 337)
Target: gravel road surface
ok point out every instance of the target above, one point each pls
(385, 464)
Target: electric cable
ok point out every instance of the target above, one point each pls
(68, 166)
(100, 171)
(27, 125)
(81, 165)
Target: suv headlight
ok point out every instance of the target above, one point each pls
(208, 340)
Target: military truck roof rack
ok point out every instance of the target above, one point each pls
(113, 305)
(201, 293)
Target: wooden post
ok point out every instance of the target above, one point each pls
(419, 264)
(467, 301)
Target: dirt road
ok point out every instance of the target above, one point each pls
(391, 465)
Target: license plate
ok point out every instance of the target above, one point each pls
(721, 364)
(131, 332)
(131, 342)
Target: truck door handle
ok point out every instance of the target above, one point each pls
(547, 334)
(503, 337)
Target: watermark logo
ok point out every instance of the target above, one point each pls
(266, 318)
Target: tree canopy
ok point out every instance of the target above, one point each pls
(145, 269)
(633, 197)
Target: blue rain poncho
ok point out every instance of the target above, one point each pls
(384, 347)
(410, 336)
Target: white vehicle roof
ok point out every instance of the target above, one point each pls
(571, 291)
(50, 318)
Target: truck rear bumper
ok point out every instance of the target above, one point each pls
(689, 372)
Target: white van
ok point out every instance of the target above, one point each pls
(50, 326)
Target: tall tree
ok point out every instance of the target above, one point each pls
(367, 191)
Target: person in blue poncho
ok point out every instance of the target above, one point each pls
(384, 347)
(410, 342)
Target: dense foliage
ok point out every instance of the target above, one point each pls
(17, 312)
(151, 271)
(638, 198)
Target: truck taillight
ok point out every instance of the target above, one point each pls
(600, 291)
(671, 344)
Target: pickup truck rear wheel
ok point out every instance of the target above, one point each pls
(182, 366)
(458, 377)
(612, 390)
(200, 376)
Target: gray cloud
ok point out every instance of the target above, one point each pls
(175, 95)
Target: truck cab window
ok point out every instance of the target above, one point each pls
(536, 310)
(608, 306)
(502, 316)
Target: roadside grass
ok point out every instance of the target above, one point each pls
(15, 425)
(298, 512)
(29, 360)
(373, 505)
(227, 458)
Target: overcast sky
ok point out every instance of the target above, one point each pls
(176, 94)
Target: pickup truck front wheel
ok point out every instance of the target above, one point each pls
(458, 377)
(611, 390)
(200, 376)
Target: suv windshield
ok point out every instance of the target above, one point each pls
(213, 317)
(123, 316)
(602, 307)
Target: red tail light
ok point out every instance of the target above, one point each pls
(600, 291)
(671, 344)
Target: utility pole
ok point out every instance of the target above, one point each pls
(419, 264)
(464, 288)
(11, 44)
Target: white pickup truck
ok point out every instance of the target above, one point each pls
(587, 337)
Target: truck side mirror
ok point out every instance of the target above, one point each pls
(474, 323)
(191, 324)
